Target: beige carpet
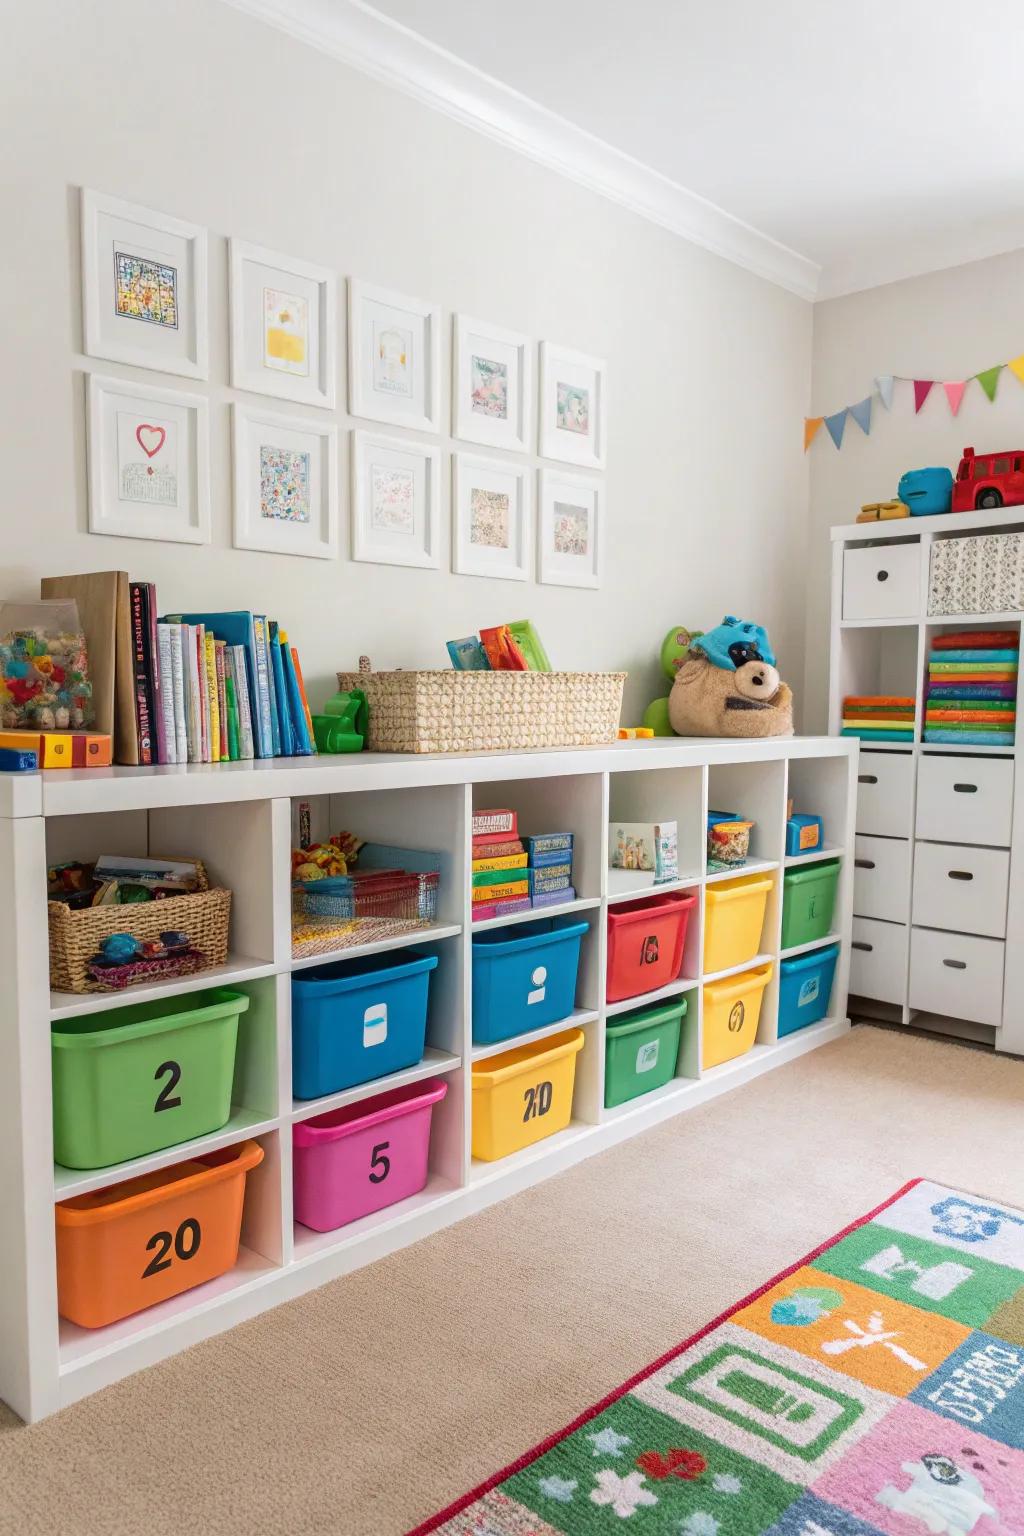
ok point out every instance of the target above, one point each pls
(360, 1409)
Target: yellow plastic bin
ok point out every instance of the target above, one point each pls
(733, 920)
(523, 1095)
(732, 1008)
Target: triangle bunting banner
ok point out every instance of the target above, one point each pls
(884, 383)
(989, 378)
(922, 389)
(811, 425)
(861, 413)
(954, 390)
(955, 393)
(836, 426)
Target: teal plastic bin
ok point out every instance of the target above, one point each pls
(641, 1051)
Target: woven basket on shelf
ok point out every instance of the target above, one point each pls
(75, 936)
(488, 711)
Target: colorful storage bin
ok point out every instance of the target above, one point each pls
(805, 987)
(732, 1008)
(808, 900)
(142, 1078)
(804, 833)
(523, 1095)
(645, 943)
(359, 1159)
(125, 1248)
(733, 920)
(526, 981)
(641, 1051)
(357, 1020)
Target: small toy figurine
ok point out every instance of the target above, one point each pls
(118, 949)
(174, 941)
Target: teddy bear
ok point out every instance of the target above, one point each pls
(729, 685)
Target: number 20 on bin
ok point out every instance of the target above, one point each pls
(537, 1101)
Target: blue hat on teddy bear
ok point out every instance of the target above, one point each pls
(734, 642)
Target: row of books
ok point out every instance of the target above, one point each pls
(512, 874)
(214, 687)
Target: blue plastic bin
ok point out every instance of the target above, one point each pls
(357, 1020)
(805, 987)
(524, 981)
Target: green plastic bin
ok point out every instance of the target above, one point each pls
(641, 1051)
(808, 901)
(141, 1078)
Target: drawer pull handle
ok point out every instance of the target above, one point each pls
(864, 863)
(960, 874)
(881, 575)
(956, 965)
(867, 778)
(860, 944)
(965, 789)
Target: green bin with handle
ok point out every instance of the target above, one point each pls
(641, 1051)
(135, 1080)
(808, 902)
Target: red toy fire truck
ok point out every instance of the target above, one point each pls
(989, 480)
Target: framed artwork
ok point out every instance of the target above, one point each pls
(149, 475)
(286, 483)
(570, 531)
(572, 406)
(491, 385)
(394, 370)
(143, 287)
(283, 326)
(490, 518)
(396, 501)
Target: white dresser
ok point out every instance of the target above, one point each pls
(938, 927)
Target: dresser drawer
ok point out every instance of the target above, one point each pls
(878, 960)
(961, 889)
(885, 794)
(881, 878)
(965, 799)
(957, 974)
(882, 582)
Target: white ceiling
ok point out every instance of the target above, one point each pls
(878, 138)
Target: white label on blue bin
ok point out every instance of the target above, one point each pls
(647, 1056)
(538, 977)
(809, 991)
(375, 1025)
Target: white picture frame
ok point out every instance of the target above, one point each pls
(284, 321)
(491, 518)
(570, 529)
(149, 461)
(396, 501)
(573, 406)
(394, 367)
(492, 385)
(285, 483)
(143, 287)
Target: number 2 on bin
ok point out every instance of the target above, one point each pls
(165, 1099)
(185, 1242)
(379, 1164)
(537, 1101)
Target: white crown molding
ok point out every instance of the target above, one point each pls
(361, 37)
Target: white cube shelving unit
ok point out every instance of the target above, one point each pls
(240, 819)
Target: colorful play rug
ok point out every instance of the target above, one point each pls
(876, 1387)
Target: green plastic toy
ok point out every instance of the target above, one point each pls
(342, 726)
(675, 648)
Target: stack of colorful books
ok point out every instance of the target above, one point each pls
(501, 883)
(550, 868)
(972, 688)
(878, 717)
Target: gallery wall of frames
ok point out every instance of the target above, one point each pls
(525, 496)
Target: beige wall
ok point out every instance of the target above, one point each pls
(947, 325)
(199, 111)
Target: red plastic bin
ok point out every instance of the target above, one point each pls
(645, 943)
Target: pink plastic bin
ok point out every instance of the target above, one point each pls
(359, 1159)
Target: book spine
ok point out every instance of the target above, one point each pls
(199, 632)
(178, 694)
(285, 735)
(264, 734)
(195, 702)
(212, 699)
(303, 740)
(231, 710)
(487, 823)
(220, 650)
(140, 639)
(153, 677)
(246, 742)
(305, 701)
(495, 892)
(505, 861)
(165, 671)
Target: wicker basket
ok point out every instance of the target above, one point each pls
(488, 711)
(75, 935)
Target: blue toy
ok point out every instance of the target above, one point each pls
(13, 761)
(926, 491)
(733, 643)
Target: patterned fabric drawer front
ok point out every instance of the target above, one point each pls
(984, 574)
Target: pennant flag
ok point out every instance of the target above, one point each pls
(884, 383)
(955, 393)
(1016, 365)
(922, 389)
(836, 425)
(861, 413)
(989, 379)
(811, 425)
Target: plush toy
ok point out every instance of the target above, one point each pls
(729, 685)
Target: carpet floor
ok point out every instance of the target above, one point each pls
(364, 1407)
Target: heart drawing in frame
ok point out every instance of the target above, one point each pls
(150, 439)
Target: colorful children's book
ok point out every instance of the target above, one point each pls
(504, 861)
(492, 824)
(282, 714)
(495, 892)
(239, 628)
(302, 736)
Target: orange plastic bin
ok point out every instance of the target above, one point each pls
(127, 1247)
(645, 943)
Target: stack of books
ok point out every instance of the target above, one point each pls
(971, 698)
(501, 883)
(879, 717)
(550, 868)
